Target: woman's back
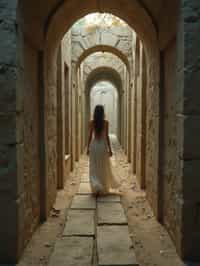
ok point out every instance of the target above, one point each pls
(101, 134)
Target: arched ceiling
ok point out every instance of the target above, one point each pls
(103, 74)
(104, 48)
(50, 19)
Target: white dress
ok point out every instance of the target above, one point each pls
(100, 170)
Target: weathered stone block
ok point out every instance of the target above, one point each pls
(72, 251)
(80, 222)
(83, 202)
(110, 213)
(114, 246)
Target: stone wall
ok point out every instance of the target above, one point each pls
(188, 126)
(31, 142)
(11, 139)
(169, 186)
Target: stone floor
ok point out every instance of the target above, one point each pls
(85, 227)
(96, 232)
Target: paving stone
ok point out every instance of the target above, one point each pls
(83, 202)
(80, 222)
(111, 213)
(72, 251)
(110, 198)
(84, 188)
(114, 246)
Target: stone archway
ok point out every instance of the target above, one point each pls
(151, 25)
(105, 74)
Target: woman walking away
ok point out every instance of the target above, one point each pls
(99, 151)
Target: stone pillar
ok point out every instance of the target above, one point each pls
(11, 139)
(189, 128)
(141, 120)
(60, 123)
(73, 115)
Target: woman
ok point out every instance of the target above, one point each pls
(99, 151)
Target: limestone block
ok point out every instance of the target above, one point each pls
(80, 222)
(110, 213)
(83, 202)
(72, 251)
(114, 246)
(109, 39)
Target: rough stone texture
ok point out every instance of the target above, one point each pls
(169, 184)
(83, 202)
(72, 251)
(140, 102)
(189, 70)
(80, 223)
(11, 140)
(110, 252)
(116, 38)
(110, 213)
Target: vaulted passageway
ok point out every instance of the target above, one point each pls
(46, 61)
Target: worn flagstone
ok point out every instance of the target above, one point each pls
(110, 213)
(80, 222)
(83, 202)
(72, 251)
(114, 246)
(84, 188)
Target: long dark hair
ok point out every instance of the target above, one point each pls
(98, 119)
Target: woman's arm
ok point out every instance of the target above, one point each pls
(108, 138)
(90, 136)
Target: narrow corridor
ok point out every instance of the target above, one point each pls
(144, 240)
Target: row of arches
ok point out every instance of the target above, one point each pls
(38, 76)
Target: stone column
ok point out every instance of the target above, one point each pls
(11, 139)
(189, 127)
(60, 123)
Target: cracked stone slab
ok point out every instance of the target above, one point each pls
(83, 202)
(80, 223)
(111, 213)
(84, 188)
(72, 251)
(114, 246)
(109, 198)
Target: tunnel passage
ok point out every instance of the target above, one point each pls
(31, 172)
